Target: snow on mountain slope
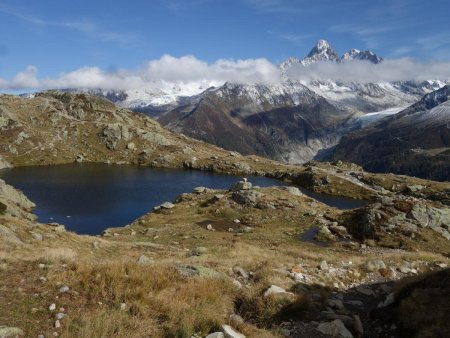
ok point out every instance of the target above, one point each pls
(375, 116)
(356, 54)
(163, 93)
(163, 96)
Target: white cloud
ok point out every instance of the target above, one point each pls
(190, 70)
(403, 69)
(25, 79)
(186, 69)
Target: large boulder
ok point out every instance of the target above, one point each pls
(247, 197)
(241, 185)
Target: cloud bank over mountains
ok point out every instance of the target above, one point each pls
(404, 69)
(189, 69)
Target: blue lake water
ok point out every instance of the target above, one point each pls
(88, 198)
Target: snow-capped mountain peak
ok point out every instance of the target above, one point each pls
(356, 54)
(322, 51)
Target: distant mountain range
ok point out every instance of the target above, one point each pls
(294, 121)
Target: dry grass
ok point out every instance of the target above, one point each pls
(159, 302)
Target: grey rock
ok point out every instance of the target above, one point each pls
(336, 328)
(276, 290)
(9, 236)
(240, 271)
(198, 251)
(247, 197)
(197, 271)
(323, 265)
(335, 303)
(390, 299)
(144, 260)
(199, 190)
(374, 265)
(10, 331)
(215, 335)
(37, 236)
(60, 315)
(112, 134)
(293, 191)
(167, 205)
(64, 289)
(241, 185)
(229, 332)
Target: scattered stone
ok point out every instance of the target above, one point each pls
(404, 269)
(229, 332)
(60, 316)
(215, 335)
(144, 260)
(197, 271)
(240, 272)
(209, 227)
(336, 328)
(79, 158)
(323, 265)
(335, 303)
(57, 324)
(388, 301)
(198, 251)
(199, 190)
(324, 234)
(52, 307)
(131, 146)
(374, 265)
(64, 289)
(10, 331)
(237, 284)
(247, 229)
(241, 185)
(236, 319)
(293, 191)
(37, 236)
(339, 229)
(165, 205)
(276, 290)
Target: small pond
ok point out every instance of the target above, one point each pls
(88, 198)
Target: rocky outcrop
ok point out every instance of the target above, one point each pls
(405, 216)
(15, 203)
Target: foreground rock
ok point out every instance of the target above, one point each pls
(10, 332)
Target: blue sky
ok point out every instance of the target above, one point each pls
(57, 36)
